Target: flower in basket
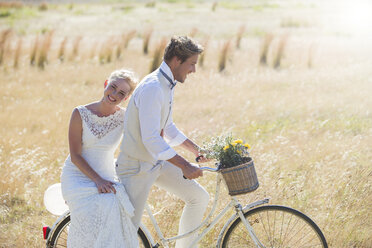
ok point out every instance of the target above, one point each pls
(229, 151)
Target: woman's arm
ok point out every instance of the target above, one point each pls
(75, 142)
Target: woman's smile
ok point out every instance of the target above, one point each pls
(111, 99)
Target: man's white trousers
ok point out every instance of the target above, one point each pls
(138, 177)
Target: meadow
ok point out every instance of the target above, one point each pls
(291, 78)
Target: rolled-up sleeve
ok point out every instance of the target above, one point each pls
(149, 103)
(172, 134)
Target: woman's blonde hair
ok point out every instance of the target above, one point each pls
(126, 75)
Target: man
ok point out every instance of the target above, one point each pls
(147, 156)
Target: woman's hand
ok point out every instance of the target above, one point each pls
(105, 186)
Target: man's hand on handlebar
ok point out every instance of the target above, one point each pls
(192, 171)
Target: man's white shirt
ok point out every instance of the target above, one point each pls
(149, 98)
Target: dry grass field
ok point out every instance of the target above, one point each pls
(292, 78)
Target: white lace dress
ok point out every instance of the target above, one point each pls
(98, 220)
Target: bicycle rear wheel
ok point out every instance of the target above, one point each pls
(59, 235)
(275, 227)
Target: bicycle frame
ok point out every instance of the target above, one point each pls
(234, 203)
(207, 222)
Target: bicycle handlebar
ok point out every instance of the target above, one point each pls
(206, 169)
(209, 169)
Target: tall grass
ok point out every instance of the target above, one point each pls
(44, 49)
(310, 58)
(3, 43)
(194, 31)
(203, 54)
(119, 48)
(34, 50)
(265, 49)
(223, 56)
(214, 6)
(62, 50)
(127, 37)
(11, 4)
(157, 57)
(75, 48)
(43, 6)
(106, 51)
(17, 53)
(239, 36)
(278, 57)
(146, 40)
(93, 49)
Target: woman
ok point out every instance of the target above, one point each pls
(99, 206)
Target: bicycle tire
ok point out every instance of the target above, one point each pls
(263, 220)
(59, 235)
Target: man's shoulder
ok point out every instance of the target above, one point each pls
(149, 87)
(150, 82)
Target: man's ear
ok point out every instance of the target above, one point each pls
(175, 61)
(178, 60)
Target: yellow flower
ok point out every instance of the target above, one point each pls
(238, 141)
(247, 146)
(239, 152)
(233, 144)
(226, 147)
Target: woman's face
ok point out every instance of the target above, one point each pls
(116, 91)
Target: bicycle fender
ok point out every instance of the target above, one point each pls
(225, 228)
(53, 228)
(236, 216)
(148, 234)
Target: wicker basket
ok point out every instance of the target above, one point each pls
(241, 179)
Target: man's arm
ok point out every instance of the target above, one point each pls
(195, 149)
(149, 109)
(176, 138)
(190, 171)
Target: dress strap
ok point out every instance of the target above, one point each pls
(84, 113)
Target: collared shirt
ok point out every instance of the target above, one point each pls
(149, 99)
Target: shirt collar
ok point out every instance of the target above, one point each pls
(165, 68)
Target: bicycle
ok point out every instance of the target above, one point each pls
(254, 225)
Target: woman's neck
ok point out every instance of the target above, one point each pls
(106, 109)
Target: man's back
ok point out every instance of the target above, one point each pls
(154, 87)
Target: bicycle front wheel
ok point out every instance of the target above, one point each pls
(275, 227)
(60, 232)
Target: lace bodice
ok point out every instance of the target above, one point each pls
(100, 126)
(100, 138)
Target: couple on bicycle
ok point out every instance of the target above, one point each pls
(104, 212)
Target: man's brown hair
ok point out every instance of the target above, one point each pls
(182, 47)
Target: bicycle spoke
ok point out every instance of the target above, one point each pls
(275, 227)
(242, 231)
(290, 229)
(311, 245)
(281, 229)
(268, 223)
(296, 233)
(304, 238)
(263, 224)
(310, 239)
